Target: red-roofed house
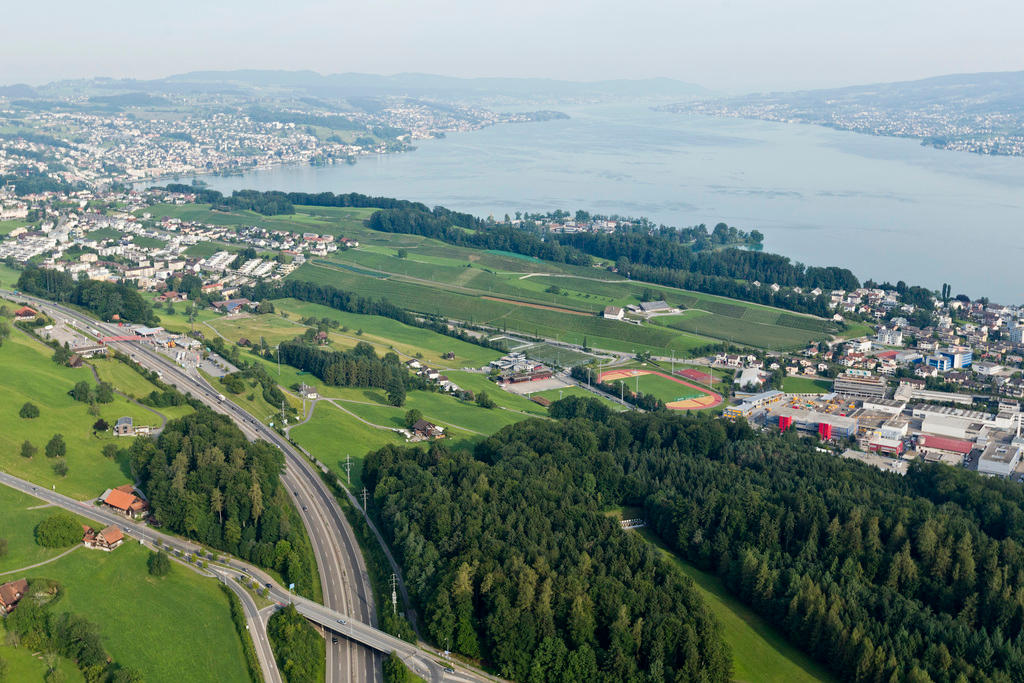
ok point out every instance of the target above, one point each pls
(11, 593)
(123, 500)
(105, 540)
(24, 314)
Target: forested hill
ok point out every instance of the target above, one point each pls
(515, 563)
(880, 578)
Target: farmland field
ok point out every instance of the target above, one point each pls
(133, 609)
(104, 234)
(387, 334)
(741, 330)
(599, 333)
(17, 524)
(148, 242)
(8, 225)
(127, 380)
(24, 666)
(331, 434)
(31, 376)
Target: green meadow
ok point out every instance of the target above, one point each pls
(31, 376)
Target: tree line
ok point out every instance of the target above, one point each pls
(205, 480)
(274, 202)
(104, 299)
(356, 367)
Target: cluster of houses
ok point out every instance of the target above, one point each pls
(119, 246)
(433, 375)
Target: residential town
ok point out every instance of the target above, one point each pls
(74, 143)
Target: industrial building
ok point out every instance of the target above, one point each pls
(891, 447)
(825, 425)
(1000, 457)
(859, 384)
(960, 423)
(936, 447)
(754, 404)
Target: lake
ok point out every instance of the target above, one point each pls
(887, 208)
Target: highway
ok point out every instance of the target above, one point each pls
(344, 579)
(229, 570)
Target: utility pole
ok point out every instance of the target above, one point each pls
(278, 360)
(394, 595)
(365, 493)
(282, 410)
(348, 468)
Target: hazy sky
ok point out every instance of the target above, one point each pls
(733, 45)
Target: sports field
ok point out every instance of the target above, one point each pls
(678, 394)
(701, 376)
(806, 385)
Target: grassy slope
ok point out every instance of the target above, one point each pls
(331, 434)
(759, 652)
(476, 272)
(24, 666)
(132, 609)
(127, 380)
(17, 525)
(388, 333)
(29, 375)
(135, 612)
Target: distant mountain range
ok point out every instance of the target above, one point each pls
(354, 85)
(982, 112)
(985, 92)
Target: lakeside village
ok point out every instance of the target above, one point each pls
(942, 384)
(75, 143)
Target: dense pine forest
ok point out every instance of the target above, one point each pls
(204, 480)
(881, 578)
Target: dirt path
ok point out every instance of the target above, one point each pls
(40, 564)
